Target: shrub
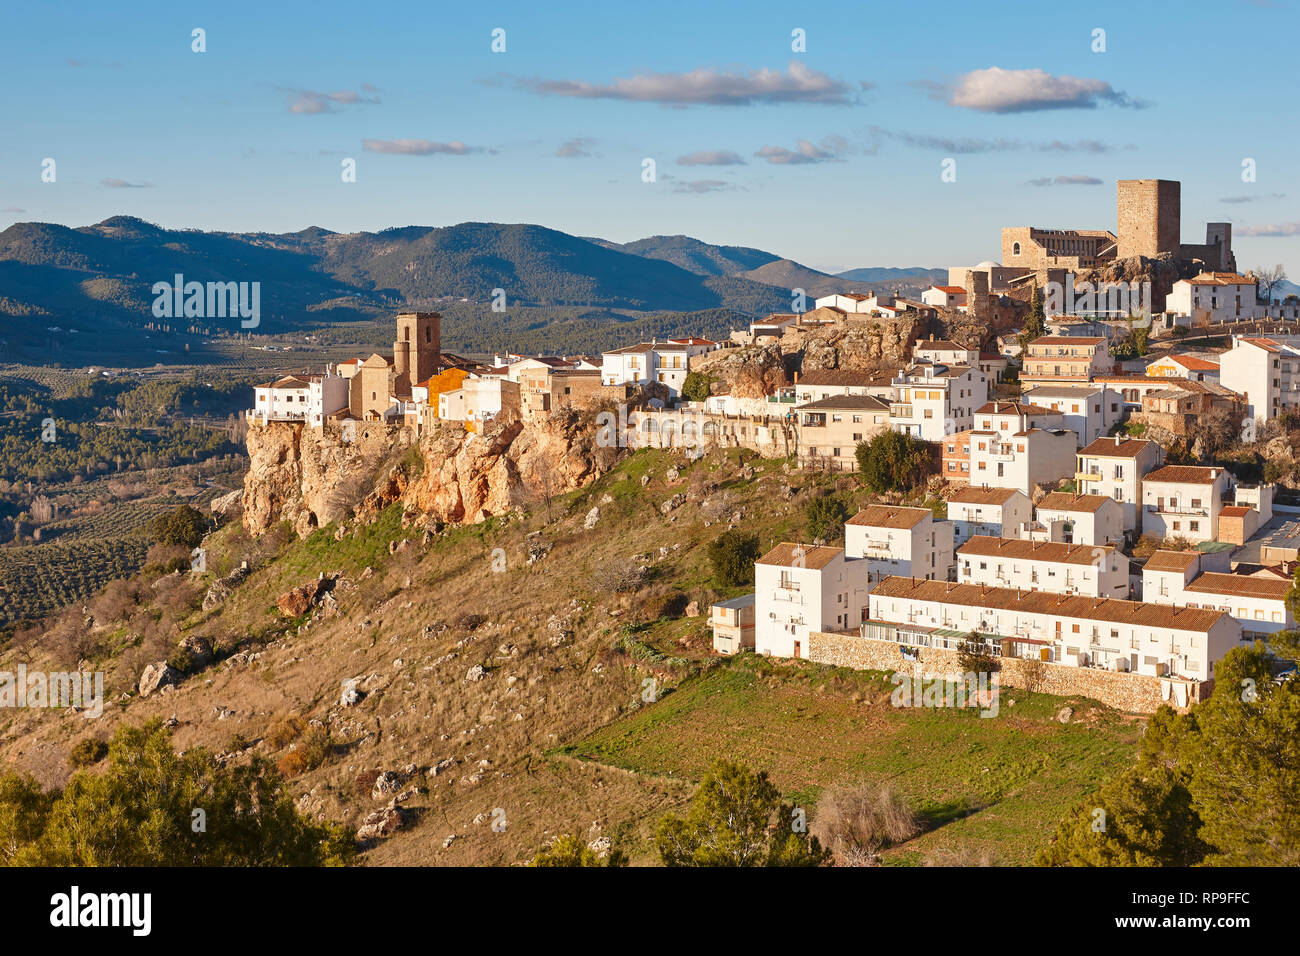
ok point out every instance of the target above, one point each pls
(285, 730)
(569, 850)
(307, 754)
(732, 555)
(856, 823)
(826, 516)
(696, 387)
(86, 753)
(184, 526)
(893, 461)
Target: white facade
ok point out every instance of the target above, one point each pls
(1021, 460)
(285, 400)
(663, 362)
(897, 540)
(945, 297)
(1044, 566)
(996, 512)
(1081, 519)
(798, 589)
(1075, 630)
(1114, 467)
(1214, 296)
(1087, 410)
(1267, 372)
(932, 401)
(1183, 501)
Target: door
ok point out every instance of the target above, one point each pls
(797, 650)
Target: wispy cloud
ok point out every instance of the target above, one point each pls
(996, 90)
(706, 87)
(702, 186)
(1236, 200)
(974, 144)
(577, 148)
(1065, 181)
(113, 183)
(313, 102)
(711, 157)
(804, 153)
(1272, 229)
(13, 209)
(418, 147)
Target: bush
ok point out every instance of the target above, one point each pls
(569, 850)
(826, 516)
(732, 555)
(856, 823)
(184, 526)
(893, 461)
(86, 753)
(696, 387)
(285, 730)
(307, 754)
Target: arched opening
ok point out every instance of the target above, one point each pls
(1015, 248)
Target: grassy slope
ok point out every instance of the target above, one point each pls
(544, 708)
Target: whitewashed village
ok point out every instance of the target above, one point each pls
(1049, 388)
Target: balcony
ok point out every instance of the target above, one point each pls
(901, 411)
(1176, 510)
(1089, 476)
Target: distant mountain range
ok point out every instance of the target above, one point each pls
(99, 277)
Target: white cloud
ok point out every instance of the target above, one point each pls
(996, 90)
(417, 147)
(706, 87)
(312, 102)
(1272, 230)
(804, 153)
(711, 157)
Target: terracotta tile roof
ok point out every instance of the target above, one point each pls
(1171, 560)
(1235, 511)
(1109, 447)
(890, 516)
(1111, 610)
(1220, 278)
(951, 289)
(839, 376)
(1184, 474)
(1240, 585)
(815, 557)
(1057, 552)
(1194, 363)
(939, 345)
(1013, 408)
(1064, 501)
(865, 402)
(982, 496)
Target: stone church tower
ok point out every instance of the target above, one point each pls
(418, 349)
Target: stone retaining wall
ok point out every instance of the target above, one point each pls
(1134, 693)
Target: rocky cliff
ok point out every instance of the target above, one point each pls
(311, 479)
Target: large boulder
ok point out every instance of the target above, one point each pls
(158, 675)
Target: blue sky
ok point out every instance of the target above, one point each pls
(831, 156)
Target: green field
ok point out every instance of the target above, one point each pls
(995, 785)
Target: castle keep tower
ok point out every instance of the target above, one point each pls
(1148, 213)
(417, 351)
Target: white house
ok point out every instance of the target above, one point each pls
(944, 352)
(1087, 410)
(1080, 519)
(933, 400)
(326, 395)
(845, 301)
(1257, 601)
(830, 383)
(1194, 368)
(1166, 574)
(479, 399)
(1094, 570)
(284, 400)
(999, 512)
(945, 297)
(1183, 501)
(1214, 297)
(1267, 372)
(1153, 639)
(1114, 467)
(898, 540)
(1022, 459)
(665, 362)
(802, 588)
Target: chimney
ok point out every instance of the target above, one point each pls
(1117, 441)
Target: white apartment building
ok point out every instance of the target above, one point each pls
(997, 512)
(1079, 519)
(1094, 570)
(802, 588)
(1256, 601)
(846, 301)
(326, 394)
(665, 362)
(1183, 501)
(1022, 459)
(932, 401)
(1066, 359)
(1214, 297)
(897, 540)
(479, 399)
(1166, 574)
(1087, 410)
(1076, 630)
(1114, 467)
(1267, 372)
